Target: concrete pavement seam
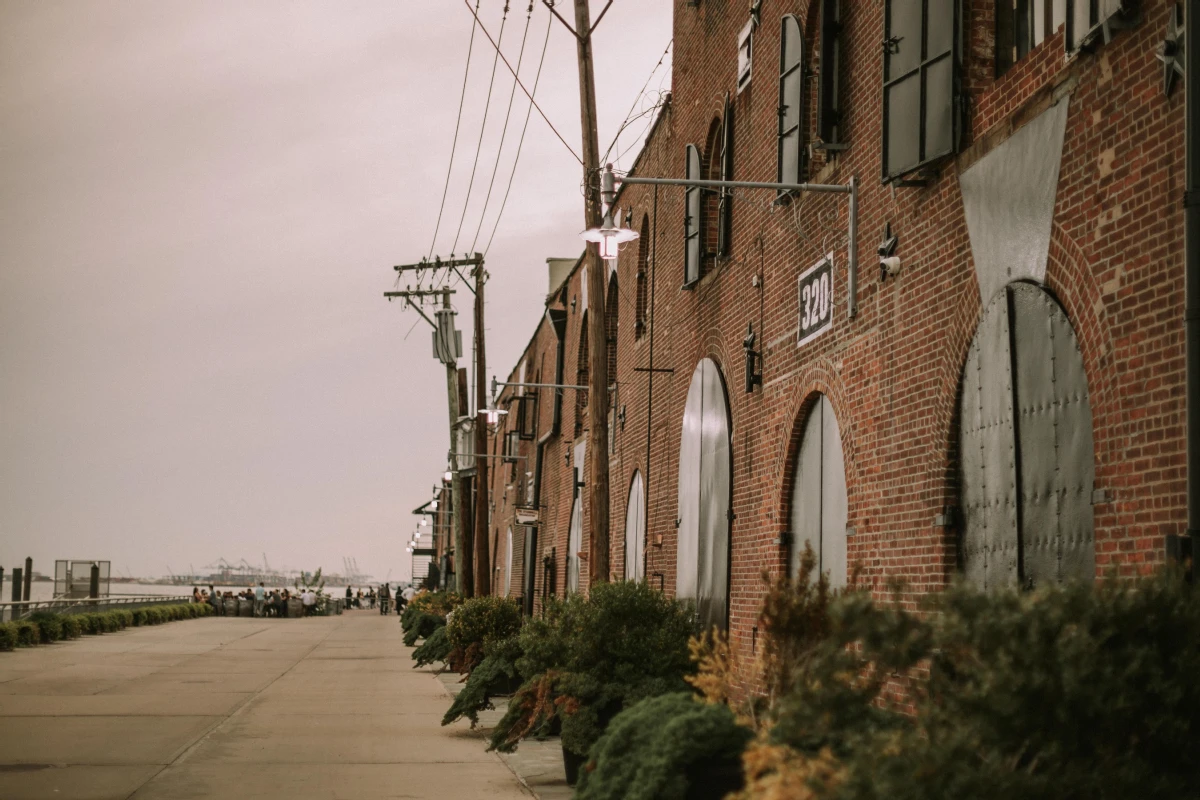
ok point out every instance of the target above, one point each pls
(187, 750)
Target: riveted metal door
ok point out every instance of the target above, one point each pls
(819, 501)
(704, 497)
(1026, 446)
(1054, 436)
(635, 529)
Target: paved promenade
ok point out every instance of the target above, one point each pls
(233, 709)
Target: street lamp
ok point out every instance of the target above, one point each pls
(609, 236)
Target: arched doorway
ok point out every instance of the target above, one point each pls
(705, 464)
(574, 540)
(1025, 447)
(819, 504)
(635, 530)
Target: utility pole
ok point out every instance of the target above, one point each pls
(447, 351)
(597, 451)
(457, 521)
(483, 583)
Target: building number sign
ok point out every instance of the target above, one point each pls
(816, 300)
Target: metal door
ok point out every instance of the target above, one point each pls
(819, 501)
(508, 564)
(705, 464)
(1026, 447)
(635, 530)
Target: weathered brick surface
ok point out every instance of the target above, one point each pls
(892, 374)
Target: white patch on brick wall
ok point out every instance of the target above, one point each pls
(1008, 196)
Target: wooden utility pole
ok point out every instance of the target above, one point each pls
(597, 451)
(455, 396)
(457, 522)
(483, 583)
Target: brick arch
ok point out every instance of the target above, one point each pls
(819, 378)
(1074, 286)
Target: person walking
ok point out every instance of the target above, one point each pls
(385, 600)
(260, 594)
(212, 598)
(309, 600)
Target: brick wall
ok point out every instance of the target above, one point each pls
(892, 374)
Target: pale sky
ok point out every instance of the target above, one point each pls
(200, 207)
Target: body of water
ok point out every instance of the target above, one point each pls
(44, 590)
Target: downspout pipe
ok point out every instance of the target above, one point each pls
(1191, 204)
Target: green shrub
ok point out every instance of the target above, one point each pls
(441, 603)
(125, 617)
(8, 636)
(588, 658)
(425, 625)
(474, 624)
(139, 617)
(496, 675)
(71, 627)
(1073, 692)
(657, 748)
(28, 634)
(49, 626)
(435, 648)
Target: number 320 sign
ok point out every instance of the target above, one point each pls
(816, 300)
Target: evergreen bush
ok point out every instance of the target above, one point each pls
(435, 648)
(49, 626)
(424, 625)
(496, 675)
(71, 627)
(8, 636)
(588, 658)
(658, 747)
(28, 634)
(474, 624)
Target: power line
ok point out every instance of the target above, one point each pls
(629, 116)
(523, 89)
(457, 122)
(503, 131)
(482, 127)
(520, 142)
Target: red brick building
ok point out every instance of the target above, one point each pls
(1006, 405)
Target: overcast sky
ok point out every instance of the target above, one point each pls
(200, 208)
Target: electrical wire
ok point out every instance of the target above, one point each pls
(457, 122)
(504, 131)
(636, 100)
(520, 142)
(482, 128)
(523, 89)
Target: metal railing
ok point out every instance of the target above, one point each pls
(81, 605)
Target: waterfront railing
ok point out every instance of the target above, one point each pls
(62, 605)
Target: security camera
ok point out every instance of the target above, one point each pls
(888, 265)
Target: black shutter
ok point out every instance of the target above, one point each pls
(791, 99)
(919, 84)
(829, 83)
(725, 204)
(527, 411)
(691, 218)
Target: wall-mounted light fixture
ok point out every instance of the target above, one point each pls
(753, 361)
(609, 235)
(889, 262)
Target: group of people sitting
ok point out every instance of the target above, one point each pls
(266, 603)
(273, 603)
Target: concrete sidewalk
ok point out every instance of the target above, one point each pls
(327, 707)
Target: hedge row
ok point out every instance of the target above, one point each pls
(44, 627)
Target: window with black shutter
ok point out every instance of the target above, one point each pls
(725, 202)
(691, 219)
(791, 100)
(829, 122)
(527, 415)
(919, 84)
(642, 263)
(1089, 20)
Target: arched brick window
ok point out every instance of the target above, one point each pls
(612, 307)
(582, 375)
(639, 323)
